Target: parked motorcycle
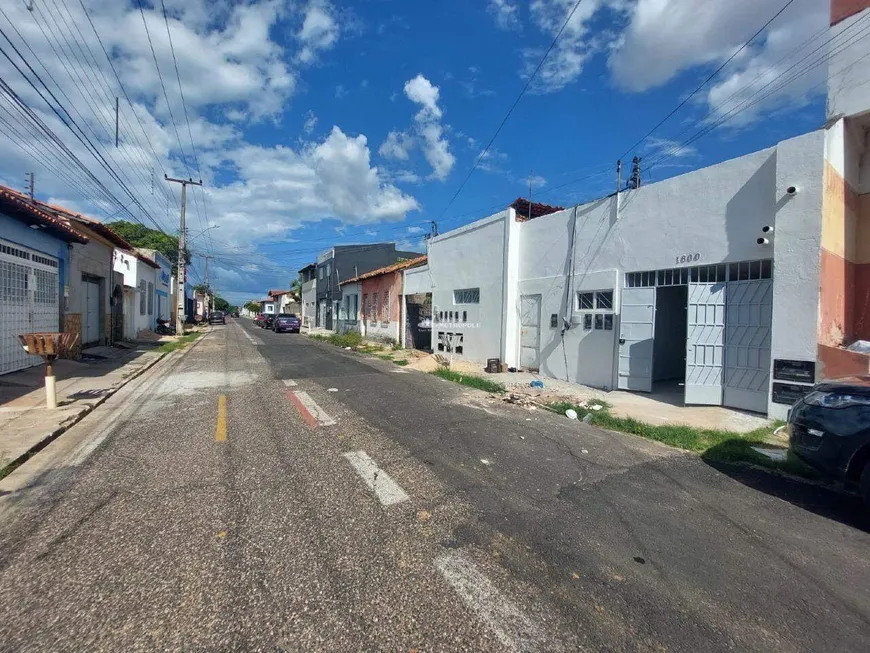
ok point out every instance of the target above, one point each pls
(165, 328)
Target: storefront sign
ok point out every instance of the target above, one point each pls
(789, 393)
(788, 370)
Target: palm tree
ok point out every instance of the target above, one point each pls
(296, 289)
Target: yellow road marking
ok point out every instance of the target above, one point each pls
(220, 432)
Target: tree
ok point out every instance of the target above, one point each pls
(221, 304)
(254, 307)
(139, 235)
(296, 289)
(201, 288)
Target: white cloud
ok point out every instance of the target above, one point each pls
(492, 160)
(424, 93)
(415, 230)
(435, 147)
(673, 148)
(310, 122)
(233, 73)
(398, 145)
(340, 92)
(505, 12)
(319, 31)
(535, 181)
(565, 62)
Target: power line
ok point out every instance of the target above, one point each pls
(706, 81)
(186, 119)
(124, 91)
(511, 110)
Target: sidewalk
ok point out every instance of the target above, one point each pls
(25, 422)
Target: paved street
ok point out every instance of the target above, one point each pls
(268, 492)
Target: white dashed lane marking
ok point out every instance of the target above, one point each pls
(385, 488)
(290, 383)
(514, 630)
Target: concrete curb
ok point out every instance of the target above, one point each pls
(75, 418)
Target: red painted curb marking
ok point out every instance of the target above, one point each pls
(310, 419)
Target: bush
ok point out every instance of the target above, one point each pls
(349, 339)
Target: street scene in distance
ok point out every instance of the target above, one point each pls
(524, 326)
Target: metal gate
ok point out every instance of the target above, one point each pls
(28, 301)
(530, 331)
(91, 313)
(748, 317)
(636, 337)
(705, 343)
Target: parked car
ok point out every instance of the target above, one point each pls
(217, 317)
(286, 322)
(266, 322)
(829, 429)
(259, 318)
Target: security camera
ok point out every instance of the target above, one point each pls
(791, 190)
(767, 229)
(762, 241)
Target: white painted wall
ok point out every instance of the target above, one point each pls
(309, 302)
(716, 212)
(348, 314)
(800, 163)
(135, 271)
(470, 257)
(849, 68)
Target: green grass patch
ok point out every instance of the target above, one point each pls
(712, 444)
(469, 379)
(384, 357)
(349, 339)
(401, 363)
(181, 343)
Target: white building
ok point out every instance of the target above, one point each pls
(308, 278)
(739, 284)
(140, 280)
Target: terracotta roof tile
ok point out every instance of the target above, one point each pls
(39, 214)
(521, 206)
(395, 267)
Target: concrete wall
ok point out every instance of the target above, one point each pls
(309, 301)
(94, 260)
(848, 67)
(349, 310)
(384, 324)
(470, 257)
(716, 213)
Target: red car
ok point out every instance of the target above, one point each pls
(259, 319)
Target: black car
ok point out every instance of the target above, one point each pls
(266, 322)
(217, 317)
(286, 322)
(829, 429)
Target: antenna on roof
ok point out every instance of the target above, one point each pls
(29, 180)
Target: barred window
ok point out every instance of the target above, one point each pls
(466, 296)
(142, 297)
(150, 298)
(375, 307)
(385, 315)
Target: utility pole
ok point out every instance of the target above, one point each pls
(635, 173)
(530, 193)
(182, 268)
(30, 185)
(208, 296)
(618, 176)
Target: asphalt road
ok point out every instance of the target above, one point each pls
(267, 492)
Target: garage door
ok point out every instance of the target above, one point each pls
(748, 316)
(28, 301)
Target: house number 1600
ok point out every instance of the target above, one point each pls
(687, 258)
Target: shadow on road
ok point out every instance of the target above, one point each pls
(828, 502)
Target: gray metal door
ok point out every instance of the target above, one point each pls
(636, 337)
(530, 331)
(91, 313)
(748, 316)
(705, 343)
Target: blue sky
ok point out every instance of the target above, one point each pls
(320, 122)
